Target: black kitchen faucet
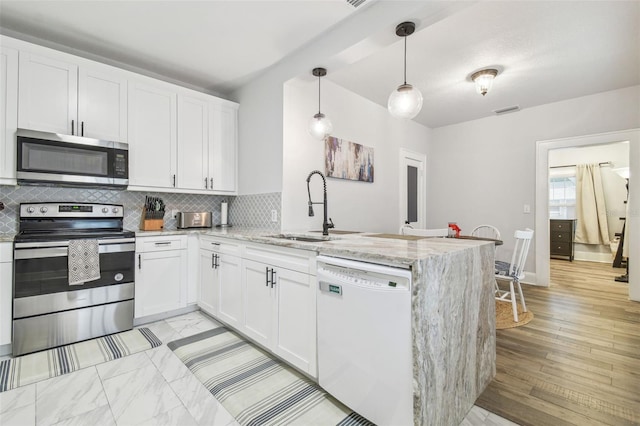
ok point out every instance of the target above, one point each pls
(325, 225)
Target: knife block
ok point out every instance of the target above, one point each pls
(150, 224)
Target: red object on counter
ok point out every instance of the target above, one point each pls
(455, 228)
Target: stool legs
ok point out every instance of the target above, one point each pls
(514, 304)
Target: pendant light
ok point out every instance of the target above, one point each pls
(320, 126)
(406, 101)
(484, 80)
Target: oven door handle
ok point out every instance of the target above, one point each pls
(38, 253)
(65, 243)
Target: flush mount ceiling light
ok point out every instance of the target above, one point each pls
(406, 101)
(484, 79)
(320, 126)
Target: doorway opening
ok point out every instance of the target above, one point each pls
(412, 188)
(549, 151)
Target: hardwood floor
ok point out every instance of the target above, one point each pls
(578, 361)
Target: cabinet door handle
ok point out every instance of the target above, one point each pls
(139, 261)
(206, 181)
(267, 277)
(82, 128)
(213, 261)
(73, 126)
(174, 181)
(273, 278)
(217, 261)
(211, 183)
(163, 243)
(215, 244)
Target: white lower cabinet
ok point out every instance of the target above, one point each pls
(266, 292)
(295, 336)
(279, 298)
(161, 275)
(209, 283)
(6, 283)
(220, 291)
(230, 308)
(259, 301)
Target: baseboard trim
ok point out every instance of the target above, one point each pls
(6, 350)
(593, 257)
(531, 279)
(164, 315)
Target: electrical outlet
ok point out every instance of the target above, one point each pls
(274, 215)
(527, 209)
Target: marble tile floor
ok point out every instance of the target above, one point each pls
(147, 388)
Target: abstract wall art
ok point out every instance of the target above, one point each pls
(348, 160)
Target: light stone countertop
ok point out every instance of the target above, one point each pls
(357, 246)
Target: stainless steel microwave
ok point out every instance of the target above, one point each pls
(55, 159)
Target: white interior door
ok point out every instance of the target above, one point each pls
(412, 188)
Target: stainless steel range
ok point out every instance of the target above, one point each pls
(51, 305)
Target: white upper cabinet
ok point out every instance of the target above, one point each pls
(193, 143)
(48, 93)
(60, 96)
(8, 114)
(152, 135)
(102, 105)
(223, 148)
(180, 140)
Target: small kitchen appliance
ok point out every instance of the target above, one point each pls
(49, 307)
(193, 220)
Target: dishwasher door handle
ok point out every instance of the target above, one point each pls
(330, 288)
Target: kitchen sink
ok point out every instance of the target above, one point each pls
(300, 238)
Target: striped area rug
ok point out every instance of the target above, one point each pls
(31, 368)
(256, 388)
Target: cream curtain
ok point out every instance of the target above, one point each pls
(591, 211)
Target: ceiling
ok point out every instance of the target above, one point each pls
(545, 51)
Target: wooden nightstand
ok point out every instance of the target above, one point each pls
(561, 235)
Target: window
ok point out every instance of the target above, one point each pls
(562, 196)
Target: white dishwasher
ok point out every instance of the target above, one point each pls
(364, 338)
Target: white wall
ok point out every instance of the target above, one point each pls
(260, 136)
(483, 171)
(615, 191)
(357, 206)
(363, 32)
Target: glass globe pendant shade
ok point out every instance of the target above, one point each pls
(320, 126)
(405, 102)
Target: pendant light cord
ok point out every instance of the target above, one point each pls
(319, 94)
(405, 59)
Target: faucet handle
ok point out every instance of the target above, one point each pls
(330, 224)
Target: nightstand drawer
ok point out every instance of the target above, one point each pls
(561, 225)
(558, 236)
(560, 249)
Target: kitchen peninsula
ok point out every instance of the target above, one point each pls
(452, 304)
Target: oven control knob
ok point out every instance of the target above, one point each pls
(105, 210)
(115, 210)
(30, 209)
(43, 209)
